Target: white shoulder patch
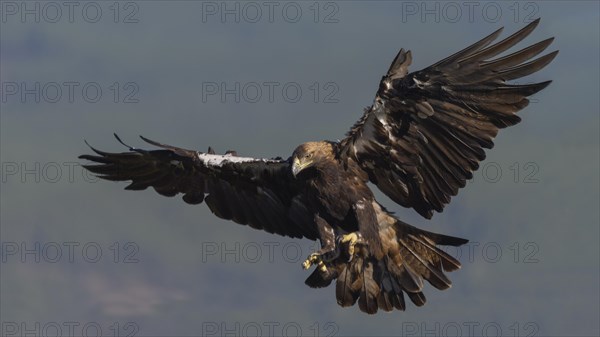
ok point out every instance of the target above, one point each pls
(220, 160)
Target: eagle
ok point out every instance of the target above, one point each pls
(419, 143)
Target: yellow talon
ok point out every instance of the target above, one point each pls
(352, 238)
(322, 267)
(312, 259)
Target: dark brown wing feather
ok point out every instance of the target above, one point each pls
(257, 192)
(426, 131)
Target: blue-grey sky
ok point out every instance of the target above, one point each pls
(260, 78)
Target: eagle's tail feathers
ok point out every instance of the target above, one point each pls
(348, 285)
(367, 301)
(411, 256)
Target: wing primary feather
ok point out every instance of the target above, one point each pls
(469, 50)
(527, 68)
(518, 57)
(131, 148)
(503, 45)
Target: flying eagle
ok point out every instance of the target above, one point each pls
(419, 142)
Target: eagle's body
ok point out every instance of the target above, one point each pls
(329, 187)
(339, 194)
(419, 143)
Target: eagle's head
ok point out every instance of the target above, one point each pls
(311, 154)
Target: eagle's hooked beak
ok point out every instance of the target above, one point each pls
(298, 165)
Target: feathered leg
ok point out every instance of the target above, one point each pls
(328, 249)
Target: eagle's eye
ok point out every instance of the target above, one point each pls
(308, 155)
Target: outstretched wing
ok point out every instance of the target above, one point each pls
(258, 192)
(426, 132)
